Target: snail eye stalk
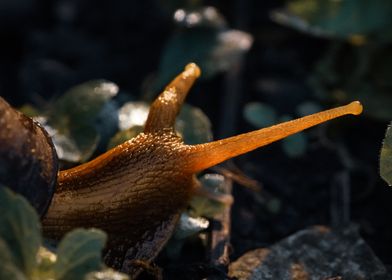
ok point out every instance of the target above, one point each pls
(207, 155)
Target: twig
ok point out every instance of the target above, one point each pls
(220, 235)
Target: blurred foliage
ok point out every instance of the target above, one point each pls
(202, 36)
(386, 157)
(131, 119)
(133, 114)
(106, 274)
(308, 108)
(262, 115)
(19, 234)
(73, 117)
(86, 119)
(294, 145)
(340, 19)
(124, 135)
(363, 73)
(212, 199)
(356, 64)
(191, 123)
(23, 256)
(79, 253)
(78, 119)
(188, 227)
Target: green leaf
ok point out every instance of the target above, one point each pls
(19, 229)
(79, 253)
(341, 19)
(82, 102)
(260, 114)
(131, 119)
(29, 110)
(294, 145)
(133, 114)
(124, 135)
(361, 73)
(45, 260)
(308, 108)
(203, 38)
(204, 206)
(107, 274)
(72, 119)
(193, 125)
(5, 256)
(182, 48)
(8, 270)
(377, 101)
(386, 157)
(189, 226)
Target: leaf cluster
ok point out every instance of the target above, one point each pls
(23, 255)
(356, 64)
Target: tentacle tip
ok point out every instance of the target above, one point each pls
(193, 70)
(355, 107)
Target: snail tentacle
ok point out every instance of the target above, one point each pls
(167, 105)
(206, 155)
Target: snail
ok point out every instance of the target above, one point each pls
(136, 190)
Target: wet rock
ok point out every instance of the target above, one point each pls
(315, 253)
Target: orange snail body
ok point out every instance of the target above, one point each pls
(136, 191)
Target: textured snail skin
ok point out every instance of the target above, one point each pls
(136, 191)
